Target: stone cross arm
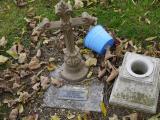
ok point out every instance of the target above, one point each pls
(85, 19)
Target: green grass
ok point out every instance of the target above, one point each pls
(126, 22)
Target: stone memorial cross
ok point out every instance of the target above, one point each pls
(73, 68)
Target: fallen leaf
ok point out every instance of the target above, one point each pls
(103, 108)
(13, 114)
(20, 108)
(32, 24)
(24, 96)
(38, 53)
(12, 53)
(16, 85)
(31, 117)
(91, 62)
(51, 67)
(36, 86)
(79, 42)
(133, 116)
(89, 74)
(10, 102)
(147, 21)
(113, 75)
(79, 117)
(102, 72)
(22, 58)
(51, 59)
(70, 115)
(155, 117)
(20, 3)
(78, 4)
(3, 42)
(34, 63)
(115, 117)
(56, 82)
(44, 82)
(151, 38)
(55, 117)
(34, 79)
(5, 88)
(3, 59)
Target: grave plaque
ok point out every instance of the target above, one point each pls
(73, 93)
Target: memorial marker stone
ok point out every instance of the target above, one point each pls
(74, 68)
(72, 96)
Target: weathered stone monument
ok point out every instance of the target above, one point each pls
(77, 96)
(137, 84)
(74, 68)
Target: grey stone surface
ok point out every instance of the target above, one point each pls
(85, 95)
(138, 90)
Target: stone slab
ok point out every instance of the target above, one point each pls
(136, 93)
(84, 96)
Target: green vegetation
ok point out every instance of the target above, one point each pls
(133, 21)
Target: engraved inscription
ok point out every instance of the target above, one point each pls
(73, 94)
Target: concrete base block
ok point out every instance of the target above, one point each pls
(137, 86)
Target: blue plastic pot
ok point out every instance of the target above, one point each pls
(98, 39)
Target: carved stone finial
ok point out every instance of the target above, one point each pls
(63, 9)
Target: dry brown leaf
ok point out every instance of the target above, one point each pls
(32, 24)
(21, 3)
(56, 82)
(10, 102)
(24, 73)
(101, 72)
(151, 38)
(44, 82)
(22, 58)
(5, 88)
(3, 42)
(34, 63)
(32, 117)
(108, 56)
(133, 116)
(51, 59)
(38, 53)
(91, 62)
(114, 72)
(36, 86)
(3, 59)
(13, 114)
(34, 79)
(16, 85)
(78, 4)
(115, 117)
(34, 38)
(24, 96)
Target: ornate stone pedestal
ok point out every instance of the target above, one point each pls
(74, 68)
